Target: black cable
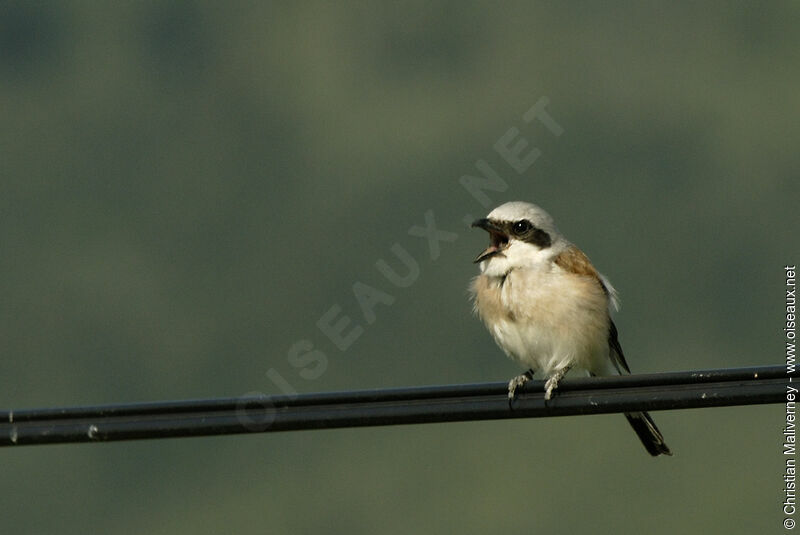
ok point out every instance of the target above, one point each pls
(450, 403)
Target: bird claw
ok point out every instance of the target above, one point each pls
(549, 386)
(515, 383)
(552, 382)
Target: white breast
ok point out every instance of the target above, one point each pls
(546, 320)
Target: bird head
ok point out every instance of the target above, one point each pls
(520, 235)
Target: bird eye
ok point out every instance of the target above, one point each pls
(521, 227)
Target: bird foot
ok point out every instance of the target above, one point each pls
(552, 383)
(549, 386)
(515, 383)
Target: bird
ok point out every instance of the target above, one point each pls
(548, 308)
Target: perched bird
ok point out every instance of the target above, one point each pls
(547, 306)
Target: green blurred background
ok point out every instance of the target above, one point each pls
(188, 187)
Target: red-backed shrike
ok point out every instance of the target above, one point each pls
(547, 307)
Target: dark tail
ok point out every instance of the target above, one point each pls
(648, 433)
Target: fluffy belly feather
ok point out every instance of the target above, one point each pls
(546, 323)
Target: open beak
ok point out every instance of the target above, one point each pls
(497, 236)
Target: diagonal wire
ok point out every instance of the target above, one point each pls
(427, 404)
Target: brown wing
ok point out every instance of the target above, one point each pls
(575, 261)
